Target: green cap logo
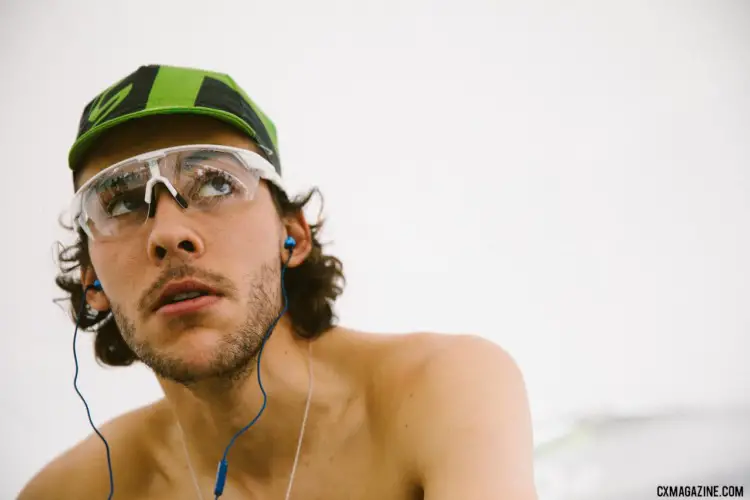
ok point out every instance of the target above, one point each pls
(101, 109)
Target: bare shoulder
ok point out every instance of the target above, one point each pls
(81, 471)
(417, 359)
(438, 370)
(439, 378)
(411, 376)
(454, 410)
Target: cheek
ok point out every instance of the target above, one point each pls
(116, 267)
(252, 237)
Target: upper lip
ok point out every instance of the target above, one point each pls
(184, 286)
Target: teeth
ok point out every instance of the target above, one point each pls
(185, 296)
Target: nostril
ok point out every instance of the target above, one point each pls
(186, 245)
(161, 252)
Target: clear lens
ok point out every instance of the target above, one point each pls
(116, 199)
(207, 178)
(114, 203)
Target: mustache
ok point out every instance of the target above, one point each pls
(214, 280)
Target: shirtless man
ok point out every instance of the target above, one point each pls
(348, 415)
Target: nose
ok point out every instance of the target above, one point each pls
(172, 235)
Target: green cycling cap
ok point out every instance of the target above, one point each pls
(163, 90)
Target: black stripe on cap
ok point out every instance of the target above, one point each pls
(218, 95)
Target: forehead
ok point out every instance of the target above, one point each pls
(157, 132)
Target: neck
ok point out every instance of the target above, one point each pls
(211, 413)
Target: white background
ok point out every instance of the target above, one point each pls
(568, 179)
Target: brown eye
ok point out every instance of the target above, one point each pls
(216, 186)
(125, 204)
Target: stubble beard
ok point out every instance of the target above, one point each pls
(235, 355)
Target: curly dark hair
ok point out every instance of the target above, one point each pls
(312, 287)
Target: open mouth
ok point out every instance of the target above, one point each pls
(184, 295)
(181, 297)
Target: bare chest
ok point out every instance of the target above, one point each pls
(311, 483)
(340, 487)
(356, 471)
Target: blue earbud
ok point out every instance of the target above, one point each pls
(97, 285)
(290, 243)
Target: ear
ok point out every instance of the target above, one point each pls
(97, 299)
(297, 227)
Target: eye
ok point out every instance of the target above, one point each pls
(124, 204)
(215, 185)
(121, 194)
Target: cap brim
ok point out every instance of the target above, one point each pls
(84, 143)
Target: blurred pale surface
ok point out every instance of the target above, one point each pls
(611, 458)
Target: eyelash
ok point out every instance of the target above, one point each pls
(210, 174)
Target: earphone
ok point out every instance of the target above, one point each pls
(96, 286)
(290, 243)
(221, 474)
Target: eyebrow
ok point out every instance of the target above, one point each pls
(120, 179)
(201, 155)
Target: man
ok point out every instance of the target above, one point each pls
(194, 260)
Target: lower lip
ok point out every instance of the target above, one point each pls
(189, 306)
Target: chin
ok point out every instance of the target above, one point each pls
(199, 354)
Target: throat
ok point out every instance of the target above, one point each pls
(258, 450)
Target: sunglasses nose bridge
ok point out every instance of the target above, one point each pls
(157, 178)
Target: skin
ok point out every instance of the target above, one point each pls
(408, 416)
